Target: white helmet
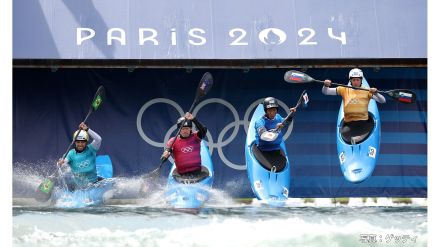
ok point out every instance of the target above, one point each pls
(355, 73)
(81, 136)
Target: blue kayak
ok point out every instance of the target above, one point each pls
(91, 196)
(268, 185)
(358, 152)
(190, 192)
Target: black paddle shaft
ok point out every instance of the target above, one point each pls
(393, 93)
(290, 115)
(402, 95)
(97, 100)
(45, 195)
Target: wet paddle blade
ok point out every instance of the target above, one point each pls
(99, 98)
(403, 95)
(293, 76)
(44, 190)
(205, 85)
(305, 100)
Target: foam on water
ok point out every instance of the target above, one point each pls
(148, 221)
(239, 226)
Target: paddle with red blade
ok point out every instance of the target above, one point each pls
(402, 95)
(271, 135)
(204, 86)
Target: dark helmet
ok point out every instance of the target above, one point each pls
(270, 102)
(186, 123)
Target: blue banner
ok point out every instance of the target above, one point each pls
(142, 106)
(228, 29)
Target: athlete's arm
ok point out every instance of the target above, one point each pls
(201, 133)
(329, 91)
(96, 143)
(259, 126)
(379, 98)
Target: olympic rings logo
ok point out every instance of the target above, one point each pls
(84, 164)
(187, 149)
(220, 143)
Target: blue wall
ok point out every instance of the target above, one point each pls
(48, 106)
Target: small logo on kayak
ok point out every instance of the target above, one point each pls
(342, 157)
(285, 192)
(257, 185)
(372, 152)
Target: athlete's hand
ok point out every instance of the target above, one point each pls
(373, 90)
(189, 116)
(60, 162)
(327, 83)
(83, 126)
(165, 154)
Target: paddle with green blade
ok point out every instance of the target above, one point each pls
(44, 190)
(204, 86)
(272, 134)
(402, 95)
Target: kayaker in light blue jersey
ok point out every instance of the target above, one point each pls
(269, 122)
(82, 158)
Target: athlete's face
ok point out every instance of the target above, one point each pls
(356, 82)
(185, 131)
(271, 112)
(80, 145)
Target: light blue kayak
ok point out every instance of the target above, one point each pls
(190, 192)
(91, 196)
(270, 186)
(358, 153)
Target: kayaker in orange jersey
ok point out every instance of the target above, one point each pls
(356, 116)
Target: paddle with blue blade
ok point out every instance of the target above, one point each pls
(44, 190)
(203, 88)
(272, 134)
(402, 95)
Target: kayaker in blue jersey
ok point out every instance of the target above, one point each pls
(82, 158)
(269, 122)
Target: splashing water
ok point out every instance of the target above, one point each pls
(222, 226)
(148, 221)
